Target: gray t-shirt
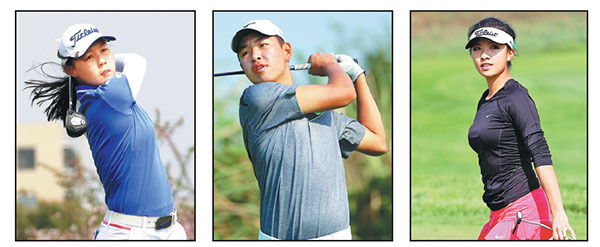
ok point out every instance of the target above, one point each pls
(297, 161)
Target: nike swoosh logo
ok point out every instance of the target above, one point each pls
(488, 115)
(499, 237)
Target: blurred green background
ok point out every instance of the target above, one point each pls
(369, 179)
(446, 186)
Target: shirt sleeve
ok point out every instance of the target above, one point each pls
(134, 66)
(525, 119)
(117, 94)
(350, 133)
(266, 105)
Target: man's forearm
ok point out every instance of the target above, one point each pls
(367, 111)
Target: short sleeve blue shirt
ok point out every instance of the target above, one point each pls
(297, 160)
(123, 143)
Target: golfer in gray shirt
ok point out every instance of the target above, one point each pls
(295, 141)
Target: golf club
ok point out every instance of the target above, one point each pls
(303, 66)
(520, 218)
(75, 122)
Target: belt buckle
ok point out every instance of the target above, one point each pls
(163, 222)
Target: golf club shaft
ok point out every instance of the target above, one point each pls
(70, 96)
(542, 225)
(303, 66)
(536, 223)
(241, 72)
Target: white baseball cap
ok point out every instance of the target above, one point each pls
(493, 34)
(265, 27)
(77, 39)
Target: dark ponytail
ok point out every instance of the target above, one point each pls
(53, 90)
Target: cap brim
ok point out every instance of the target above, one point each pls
(473, 41)
(107, 38)
(110, 38)
(237, 38)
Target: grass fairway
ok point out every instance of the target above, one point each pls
(446, 186)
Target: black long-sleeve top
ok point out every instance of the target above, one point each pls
(507, 137)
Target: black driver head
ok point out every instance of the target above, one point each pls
(75, 123)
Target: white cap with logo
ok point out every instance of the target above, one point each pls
(493, 34)
(77, 39)
(265, 27)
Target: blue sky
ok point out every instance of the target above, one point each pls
(308, 33)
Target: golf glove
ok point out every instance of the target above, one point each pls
(351, 68)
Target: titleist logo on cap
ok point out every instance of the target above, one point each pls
(484, 32)
(81, 34)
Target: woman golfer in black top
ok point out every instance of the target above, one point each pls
(507, 137)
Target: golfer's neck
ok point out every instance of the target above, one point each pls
(495, 83)
(286, 78)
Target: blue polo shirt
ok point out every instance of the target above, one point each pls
(297, 160)
(507, 136)
(123, 143)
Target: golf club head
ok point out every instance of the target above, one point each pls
(518, 221)
(75, 123)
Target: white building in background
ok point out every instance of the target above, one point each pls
(39, 145)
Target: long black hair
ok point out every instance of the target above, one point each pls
(495, 23)
(55, 89)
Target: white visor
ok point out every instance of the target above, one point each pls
(492, 34)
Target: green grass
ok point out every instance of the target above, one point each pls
(446, 185)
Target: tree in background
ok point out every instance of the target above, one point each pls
(369, 179)
(83, 209)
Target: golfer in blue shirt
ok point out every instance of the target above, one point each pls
(120, 133)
